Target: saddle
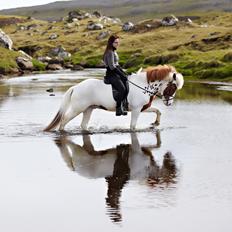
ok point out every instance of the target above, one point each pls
(116, 93)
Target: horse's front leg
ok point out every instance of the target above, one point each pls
(134, 117)
(158, 115)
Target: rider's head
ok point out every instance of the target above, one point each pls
(113, 42)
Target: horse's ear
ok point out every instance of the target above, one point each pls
(139, 71)
(174, 76)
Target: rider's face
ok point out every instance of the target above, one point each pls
(116, 43)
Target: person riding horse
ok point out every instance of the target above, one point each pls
(116, 76)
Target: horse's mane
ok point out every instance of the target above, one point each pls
(159, 72)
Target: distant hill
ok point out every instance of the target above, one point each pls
(133, 10)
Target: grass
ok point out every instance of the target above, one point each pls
(7, 60)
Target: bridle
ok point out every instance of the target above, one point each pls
(149, 88)
(147, 91)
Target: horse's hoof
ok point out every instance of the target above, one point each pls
(156, 123)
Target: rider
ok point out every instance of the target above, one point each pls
(115, 75)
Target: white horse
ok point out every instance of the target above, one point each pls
(90, 94)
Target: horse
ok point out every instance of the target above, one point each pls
(162, 81)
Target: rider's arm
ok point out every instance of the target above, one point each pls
(109, 60)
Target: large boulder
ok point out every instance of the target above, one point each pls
(77, 14)
(5, 40)
(128, 26)
(94, 26)
(24, 63)
(60, 52)
(169, 21)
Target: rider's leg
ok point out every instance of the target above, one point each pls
(120, 87)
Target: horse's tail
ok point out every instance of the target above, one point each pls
(64, 106)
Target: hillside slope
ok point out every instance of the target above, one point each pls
(200, 50)
(133, 10)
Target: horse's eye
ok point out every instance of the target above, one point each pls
(174, 76)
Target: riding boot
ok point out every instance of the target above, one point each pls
(125, 105)
(120, 111)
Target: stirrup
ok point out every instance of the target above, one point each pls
(120, 111)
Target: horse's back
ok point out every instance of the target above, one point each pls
(93, 91)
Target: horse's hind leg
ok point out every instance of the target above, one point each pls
(86, 117)
(66, 118)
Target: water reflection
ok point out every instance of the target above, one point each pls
(118, 165)
(206, 91)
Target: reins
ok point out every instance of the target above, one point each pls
(146, 90)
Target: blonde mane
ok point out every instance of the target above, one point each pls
(159, 72)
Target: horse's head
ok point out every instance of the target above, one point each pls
(169, 81)
(171, 84)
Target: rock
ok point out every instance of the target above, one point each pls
(72, 25)
(60, 52)
(54, 67)
(5, 40)
(44, 59)
(77, 67)
(77, 14)
(68, 65)
(53, 36)
(56, 60)
(185, 19)
(128, 26)
(50, 90)
(169, 21)
(21, 28)
(94, 26)
(87, 15)
(110, 20)
(97, 14)
(31, 26)
(24, 63)
(103, 35)
(25, 54)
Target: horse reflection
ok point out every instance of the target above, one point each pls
(118, 166)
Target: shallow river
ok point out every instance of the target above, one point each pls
(176, 177)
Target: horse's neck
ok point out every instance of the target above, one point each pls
(140, 78)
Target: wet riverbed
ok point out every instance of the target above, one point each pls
(175, 177)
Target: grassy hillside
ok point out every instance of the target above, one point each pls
(133, 10)
(202, 50)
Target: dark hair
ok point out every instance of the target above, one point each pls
(110, 42)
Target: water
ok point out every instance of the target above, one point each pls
(174, 177)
